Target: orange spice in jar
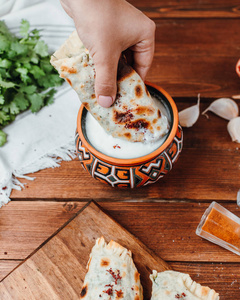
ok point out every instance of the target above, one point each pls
(221, 227)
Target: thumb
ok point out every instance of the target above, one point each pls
(106, 78)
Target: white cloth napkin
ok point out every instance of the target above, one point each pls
(41, 140)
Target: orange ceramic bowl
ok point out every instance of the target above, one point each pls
(135, 172)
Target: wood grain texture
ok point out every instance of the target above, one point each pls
(168, 229)
(6, 266)
(189, 8)
(23, 227)
(194, 56)
(223, 277)
(61, 262)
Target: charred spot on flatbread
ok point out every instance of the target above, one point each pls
(205, 290)
(159, 113)
(144, 110)
(71, 70)
(136, 297)
(84, 292)
(105, 262)
(138, 91)
(138, 124)
(93, 96)
(127, 135)
(120, 117)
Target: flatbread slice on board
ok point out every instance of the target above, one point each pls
(111, 274)
(134, 116)
(175, 285)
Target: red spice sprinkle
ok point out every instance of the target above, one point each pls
(180, 296)
(110, 290)
(116, 146)
(4, 188)
(115, 276)
(119, 293)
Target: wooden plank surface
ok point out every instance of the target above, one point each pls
(61, 261)
(167, 228)
(189, 8)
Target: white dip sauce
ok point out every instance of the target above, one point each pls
(118, 148)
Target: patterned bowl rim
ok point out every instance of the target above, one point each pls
(138, 160)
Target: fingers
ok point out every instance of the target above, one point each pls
(143, 52)
(106, 77)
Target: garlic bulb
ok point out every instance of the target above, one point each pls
(233, 128)
(189, 116)
(223, 107)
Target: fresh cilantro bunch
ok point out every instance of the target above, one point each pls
(26, 75)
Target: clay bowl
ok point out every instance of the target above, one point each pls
(134, 172)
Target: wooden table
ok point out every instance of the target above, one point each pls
(197, 47)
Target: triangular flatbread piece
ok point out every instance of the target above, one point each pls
(134, 116)
(111, 274)
(175, 285)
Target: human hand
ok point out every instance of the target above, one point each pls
(107, 28)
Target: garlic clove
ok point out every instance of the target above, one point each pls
(236, 97)
(238, 198)
(189, 116)
(233, 128)
(238, 68)
(225, 108)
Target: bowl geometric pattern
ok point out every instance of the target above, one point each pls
(135, 175)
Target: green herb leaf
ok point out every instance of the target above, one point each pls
(41, 48)
(21, 101)
(24, 28)
(36, 102)
(3, 138)
(6, 84)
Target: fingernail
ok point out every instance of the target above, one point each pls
(105, 101)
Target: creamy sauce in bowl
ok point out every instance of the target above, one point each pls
(116, 147)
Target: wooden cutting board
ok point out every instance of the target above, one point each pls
(56, 270)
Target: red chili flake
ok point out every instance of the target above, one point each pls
(115, 276)
(116, 146)
(180, 296)
(4, 188)
(110, 290)
(119, 293)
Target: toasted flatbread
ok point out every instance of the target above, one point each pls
(134, 116)
(175, 285)
(111, 274)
